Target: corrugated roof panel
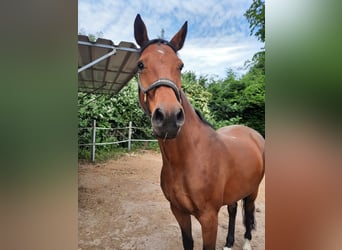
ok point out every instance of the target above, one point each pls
(110, 74)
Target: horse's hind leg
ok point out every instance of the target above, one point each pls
(184, 221)
(249, 220)
(231, 226)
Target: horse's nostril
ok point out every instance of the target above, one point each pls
(158, 116)
(180, 117)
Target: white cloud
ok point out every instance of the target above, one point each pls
(218, 35)
(214, 58)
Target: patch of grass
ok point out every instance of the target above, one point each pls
(115, 154)
(105, 154)
(145, 146)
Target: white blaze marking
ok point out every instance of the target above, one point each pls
(160, 51)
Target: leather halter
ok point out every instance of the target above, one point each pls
(160, 82)
(156, 84)
(158, 41)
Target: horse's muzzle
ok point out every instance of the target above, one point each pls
(166, 125)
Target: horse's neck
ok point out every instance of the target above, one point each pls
(192, 130)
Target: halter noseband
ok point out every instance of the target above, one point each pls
(160, 82)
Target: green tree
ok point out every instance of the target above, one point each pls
(254, 94)
(256, 17)
(252, 99)
(224, 103)
(239, 100)
(196, 92)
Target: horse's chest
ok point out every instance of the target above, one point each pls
(182, 199)
(180, 193)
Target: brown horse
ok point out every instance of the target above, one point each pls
(203, 169)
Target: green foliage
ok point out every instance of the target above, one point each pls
(197, 94)
(239, 101)
(223, 103)
(253, 100)
(111, 111)
(231, 100)
(256, 17)
(257, 62)
(103, 155)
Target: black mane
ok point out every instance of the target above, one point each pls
(203, 119)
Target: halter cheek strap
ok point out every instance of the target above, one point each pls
(158, 83)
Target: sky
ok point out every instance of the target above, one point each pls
(218, 35)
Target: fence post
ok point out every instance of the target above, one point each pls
(129, 135)
(93, 141)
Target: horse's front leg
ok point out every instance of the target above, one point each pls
(184, 221)
(209, 223)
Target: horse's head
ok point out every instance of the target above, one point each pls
(159, 80)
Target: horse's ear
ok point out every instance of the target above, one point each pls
(140, 31)
(178, 40)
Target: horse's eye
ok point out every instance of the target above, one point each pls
(181, 67)
(140, 65)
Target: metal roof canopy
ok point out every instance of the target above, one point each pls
(104, 67)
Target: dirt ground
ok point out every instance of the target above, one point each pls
(121, 206)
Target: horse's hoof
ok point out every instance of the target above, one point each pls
(227, 248)
(247, 245)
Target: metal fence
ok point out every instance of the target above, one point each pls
(128, 139)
